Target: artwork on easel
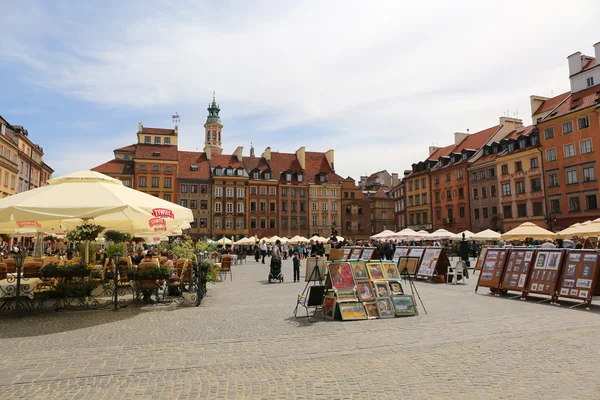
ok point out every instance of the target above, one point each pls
(408, 263)
(309, 275)
(390, 270)
(340, 275)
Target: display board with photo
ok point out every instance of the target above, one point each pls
(368, 253)
(434, 262)
(579, 278)
(493, 268)
(399, 252)
(481, 259)
(546, 272)
(518, 269)
(346, 253)
(355, 253)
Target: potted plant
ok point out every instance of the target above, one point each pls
(69, 270)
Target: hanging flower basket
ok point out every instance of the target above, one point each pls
(85, 232)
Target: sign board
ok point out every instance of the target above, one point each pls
(480, 259)
(400, 252)
(493, 267)
(367, 253)
(546, 272)
(434, 262)
(355, 253)
(518, 269)
(579, 278)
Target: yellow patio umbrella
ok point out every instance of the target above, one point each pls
(223, 241)
(587, 229)
(488, 234)
(528, 230)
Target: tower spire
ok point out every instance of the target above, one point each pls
(213, 127)
(213, 96)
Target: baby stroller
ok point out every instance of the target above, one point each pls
(275, 272)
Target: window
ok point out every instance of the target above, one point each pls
(438, 214)
(194, 189)
(218, 192)
(240, 207)
(183, 203)
(324, 206)
(590, 81)
(229, 172)
(272, 191)
(538, 209)
(585, 146)
(520, 187)
(521, 210)
(229, 207)
(506, 189)
(410, 201)
(147, 140)
(263, 223)
(229, 193)
(324, 220)
(551, 155)
(293, 222)
(553, 180)
(447, 177)
(491, 173)
(494, 210)
(302, 206)
(549, 133)
(417, 200)
(572, 177)
(567, 127)
(263, 191)
(126, 182)
(589, 174)
(314, 220)
(203, 222)
(583, 122)
(288, 177)
(203, 189)
(155, 168)
(143, 167)
(507, 211)
(437, 197)
(284, 206)
(436, 180)
(323, 192)
(334, 192)
(293, 204)
(591, 202)
(252, 206)
(410, 186)
(300, 179)
(424, 198)
(253, 223)
(555, 206)
(321, 178)
(360, 210)
(459, 174)
(253, 190)
(157, 140)
(461, 212)
(142, 181)
(256, 175)
(536, 184)
(154, 182)
(204, 204)
(240, 193)
(504, 169)
(167, 141)
(334, 206)
(418, 218)
(493, 190)
(167, 182)
(485, 213)
(475, 194)
(476, 213)
(574, 204)
(569, 150)
(315, 206)
(424, 183)
(534, 163)
(483, 193)
(271, 207)
(218, 207)
(518, 166)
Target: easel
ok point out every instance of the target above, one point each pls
(405, 274)
(307, 298)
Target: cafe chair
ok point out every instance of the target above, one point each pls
(313, 300)
(225, 267)
(3, 271)
(458, 271)
(11, 265)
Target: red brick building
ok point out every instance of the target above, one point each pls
(355, 212)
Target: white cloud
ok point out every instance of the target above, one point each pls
(376, 74)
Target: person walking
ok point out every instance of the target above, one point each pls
(263, 250)
(296, 262)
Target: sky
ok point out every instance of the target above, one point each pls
(378, 82)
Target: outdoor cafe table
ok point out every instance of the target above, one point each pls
(9, 288)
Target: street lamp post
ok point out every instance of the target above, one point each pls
(19, 259)
(116, 262)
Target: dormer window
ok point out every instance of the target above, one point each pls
(167, 141)
(157, 140)
(522, 143)
(486, 151)
(156, 154)
(535, 140)
(256, 175)
(300, 178)
(288, 177)
(147, 140)
(464, 156)
(267, 175)
(229, 172)
(193, 167)
(218, 171)
(321, 177)
(511, 147)
(239, 172)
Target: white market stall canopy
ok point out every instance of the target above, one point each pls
(298, 239)
(441, 234)
(468, 235)
(528, 230)
(488, 234)
(383, 235)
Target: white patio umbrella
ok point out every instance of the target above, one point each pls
(223, 241)
(340, 238)
(567, 231)
(273, 239)
(528, 230)
(468, 235)
(298, 239)
(587, 229)
(383, 235)
(424, 235)
(405, 234)
(488, 234)
(441, 234)
(318, 239)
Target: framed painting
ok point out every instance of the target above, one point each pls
(384, 308)
(352, 311)
(396, 287)
(341, 276)
(365, 291)
(404, 305)
(346, 295)
(329, 305)
(390, 270)
(381, 289)
(315, 269)
(375, 271)
(408, 264)
(359, 270)
(371, 308)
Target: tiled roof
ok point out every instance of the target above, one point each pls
(158, 131)
(382, 193)
(577, 101)
(252, 163)
(516, 134)
(189, 158)
(444, 151)
(282, 162)
(146, 151)
(589, 65)
(316, 163)
(131, 147)
(549, 104)
(476, 140)
(115, 167)
(225, 160)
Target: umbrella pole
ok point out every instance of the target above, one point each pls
(39, 245)
(87, 251)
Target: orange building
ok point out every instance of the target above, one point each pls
(195, 188)
(569, 131)
(263, 210)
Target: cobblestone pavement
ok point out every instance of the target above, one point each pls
(243, 342)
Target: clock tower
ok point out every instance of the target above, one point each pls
(212, 128)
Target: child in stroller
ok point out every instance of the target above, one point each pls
(275, 270)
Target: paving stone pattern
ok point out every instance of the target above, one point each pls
(243, 342)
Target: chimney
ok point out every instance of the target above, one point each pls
(459, 137)
(301, 156)
(329, 157)
(140, 126)
(575, 64)
(535, 102)
(267, 154)
(394, 178)
(433, 149)
(208, 151)
(238, 153)
(176, 129)
(597, 52)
